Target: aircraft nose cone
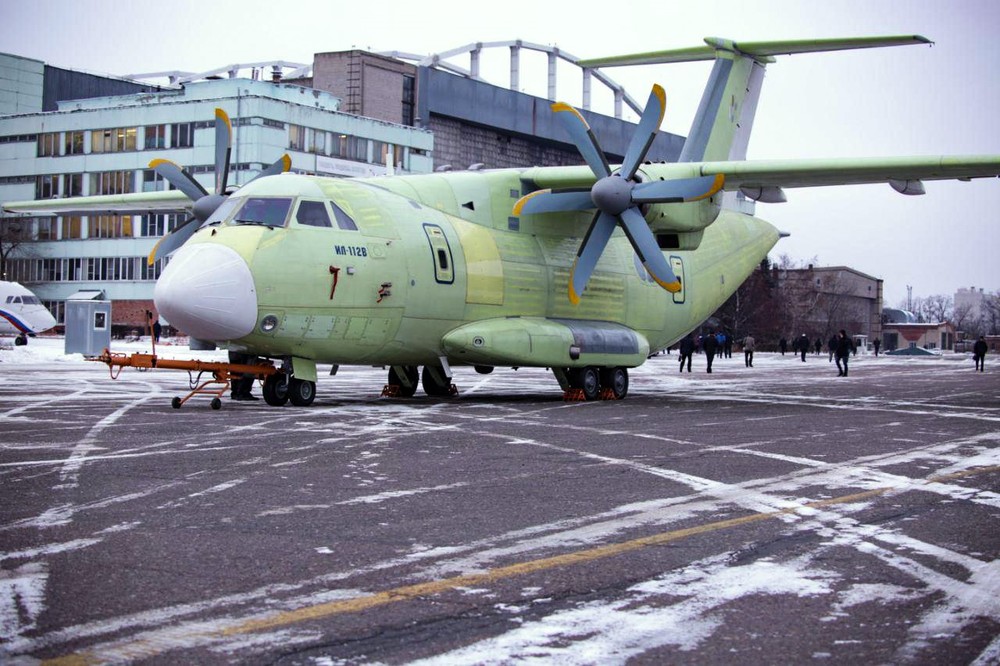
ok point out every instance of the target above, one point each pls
(207, 291)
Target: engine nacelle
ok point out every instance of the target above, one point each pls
(680, 226)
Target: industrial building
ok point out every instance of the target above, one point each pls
(66, 133)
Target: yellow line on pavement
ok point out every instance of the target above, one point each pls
(148, 648)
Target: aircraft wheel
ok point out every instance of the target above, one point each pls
(588, 380)
(302, 392)
(432, 386)
(276, 389)
(411, 374)
(615, 379)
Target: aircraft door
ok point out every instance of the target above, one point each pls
(677, 265)
(444, 264)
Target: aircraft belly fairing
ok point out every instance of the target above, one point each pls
(546, 342)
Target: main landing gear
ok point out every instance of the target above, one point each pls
(403, 379)
(279, 389)
(591, 383)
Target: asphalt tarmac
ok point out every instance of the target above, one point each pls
(777, 514)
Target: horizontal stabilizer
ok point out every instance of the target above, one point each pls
(760, 50)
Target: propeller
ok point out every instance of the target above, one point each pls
(205, 203)
(617, 196)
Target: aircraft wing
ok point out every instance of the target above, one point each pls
(850, 171)
(142, 203)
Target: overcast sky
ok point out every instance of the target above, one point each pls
(913, 100)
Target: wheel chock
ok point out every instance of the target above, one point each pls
(452, 390)
(607, 394)
(390, 391)
(574, 395)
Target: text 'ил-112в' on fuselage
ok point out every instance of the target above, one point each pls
(583, 270)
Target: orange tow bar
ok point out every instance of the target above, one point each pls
(222, 373)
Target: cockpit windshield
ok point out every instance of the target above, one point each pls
(271, 212)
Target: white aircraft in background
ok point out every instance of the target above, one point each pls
(21, 313)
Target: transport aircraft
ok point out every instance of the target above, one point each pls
(583, 270)
(21, 313)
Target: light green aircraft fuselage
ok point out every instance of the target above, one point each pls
(424, 276)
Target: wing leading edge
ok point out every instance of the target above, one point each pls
(141, 203)
(822, 172)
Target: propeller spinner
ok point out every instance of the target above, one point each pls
(205, 203)
(617, 196)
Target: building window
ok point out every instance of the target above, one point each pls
(114, 140)
(110, 226)
(387, 153)
(71, 227)
(296, 137)
(58, 310)
(73, 185)
(48, 144)
(338, 146)
(147, 272)
(48, 229)
(154, 226)
(152, 181)
(46, 186)
(111, 182)
(74, 269)
(409, 96)
(156, 137)
(74, 143)
(317, 141)
(182, 135)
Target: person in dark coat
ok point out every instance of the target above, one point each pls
(709, 344)
(803, 343)
(686, 350)
(831, 346)
(876, 343)
(844, 348)
(979, 353)
(783, 345)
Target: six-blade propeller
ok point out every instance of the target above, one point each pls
(617, 196)
(205, 203)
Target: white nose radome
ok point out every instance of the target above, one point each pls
(207, 291)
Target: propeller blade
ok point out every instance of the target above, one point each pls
(598, 235)
(584, 140)
(179, 178)
(553, 201)
(223, 149)
(173, 240)
(283, 164)
(644, 243)
(673, 191)
(649, 125)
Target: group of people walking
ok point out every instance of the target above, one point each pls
(840, 347)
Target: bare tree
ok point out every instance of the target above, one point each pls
(14, 233)
(990, 318)
(962, 317)
(937, 308)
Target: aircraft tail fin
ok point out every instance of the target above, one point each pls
(722, 125)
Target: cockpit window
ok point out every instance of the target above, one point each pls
(223, 211)
(269, 212)
(30, 300)
(344, 220)
(313, 214)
